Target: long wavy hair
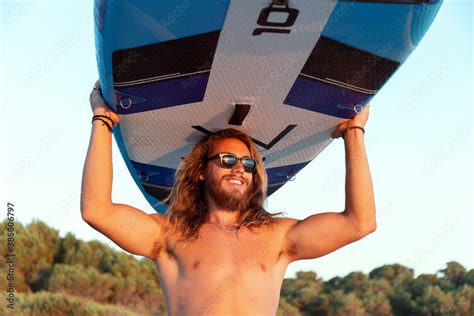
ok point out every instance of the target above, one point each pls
(187, 207)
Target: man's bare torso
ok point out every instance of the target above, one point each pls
(224, 273)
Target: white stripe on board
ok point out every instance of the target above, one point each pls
(341, 84)
(158, 78)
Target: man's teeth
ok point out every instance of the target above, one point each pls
(235, 181)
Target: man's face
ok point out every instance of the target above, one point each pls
(228, 188)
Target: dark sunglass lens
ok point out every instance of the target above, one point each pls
(249, 164)
(228, 161)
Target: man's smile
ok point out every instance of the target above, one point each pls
(234, 180)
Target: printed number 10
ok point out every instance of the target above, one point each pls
(275, 27)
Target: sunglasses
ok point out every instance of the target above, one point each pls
(228, 161)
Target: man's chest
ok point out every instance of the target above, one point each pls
(225, 255)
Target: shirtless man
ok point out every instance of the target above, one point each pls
(217, 251)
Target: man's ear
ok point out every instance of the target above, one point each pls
(201, 177)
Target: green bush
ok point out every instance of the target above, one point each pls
(36, 246)
(83, 282)
(55, 304)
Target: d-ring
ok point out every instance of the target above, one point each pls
(126, 106)
(358, 108)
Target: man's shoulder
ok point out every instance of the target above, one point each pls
(281, 227)
(161, 219)
(158, 217)
(283, 224)
(285, 221)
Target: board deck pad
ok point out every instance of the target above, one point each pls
(285, 72)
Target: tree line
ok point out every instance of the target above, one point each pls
(57, 275)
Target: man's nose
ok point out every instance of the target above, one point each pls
(239, 167)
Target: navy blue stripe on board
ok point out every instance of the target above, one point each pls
(284, 173)
(325, 98)
(162, 94)
(150, 174)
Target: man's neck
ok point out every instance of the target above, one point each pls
(223, 217)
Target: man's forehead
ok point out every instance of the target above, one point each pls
(230, 145)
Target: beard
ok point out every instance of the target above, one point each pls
(229, 200)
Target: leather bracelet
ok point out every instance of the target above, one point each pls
(104, 123)
(350, 127)
(112, 123)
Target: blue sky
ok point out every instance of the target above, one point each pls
(418, 139)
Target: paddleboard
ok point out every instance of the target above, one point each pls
(285, 72)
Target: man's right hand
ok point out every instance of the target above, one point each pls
(98, 105)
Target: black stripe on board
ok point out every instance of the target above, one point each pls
(160, 193)
(177, 57)
(343, 64)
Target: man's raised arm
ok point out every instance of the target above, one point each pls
(360, 200)
(130, 228)
(320, 234)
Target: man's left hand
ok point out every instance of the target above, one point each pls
(359, 120)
